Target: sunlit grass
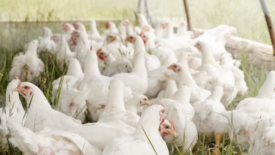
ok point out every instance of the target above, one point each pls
(245, 15)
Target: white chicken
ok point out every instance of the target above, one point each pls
(93, 132)
(68, 29)
(98, 85)
(63, 52)
(123, 27)
(167, 128)
(206, 113)
(149, 123)
(186, 78)
(28, 66)
(115, 109)
(262, 137)
(13, 102)
(137, 80)
(181, 113)
(111, 66)
(70, 80)
(49, 141)
(110, 28)
(136, 104)
(221, 76)
(72, 102)
(40, 114)
(168, 92)
(45, 42)
(93, 34)
(81, 43)
(114, 44)
(161, 52)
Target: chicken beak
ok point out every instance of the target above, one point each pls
(173, 133)
(170, 67)
(147, 103)
(127, 39)
(144, 29)
(97, 53)
(114, 38)
(165, 116)
(17, 89)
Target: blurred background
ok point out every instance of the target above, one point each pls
(245, 15)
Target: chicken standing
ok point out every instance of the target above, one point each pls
(28, 66)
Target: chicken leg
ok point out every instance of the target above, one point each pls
(218, 138)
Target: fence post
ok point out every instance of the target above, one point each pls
(269, 24)
(187, 15)
(139, 5)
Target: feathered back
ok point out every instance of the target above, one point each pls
(32, 48)
(171, 88)
(267, 89)
(216, 94)
(183, 94)
(23, 138)
(207, 55)
(74, 68)
(142, 20)
(91, 65)
(93, 29)
(149, 121)
(115, 97)
(47, 33)
(139, 64)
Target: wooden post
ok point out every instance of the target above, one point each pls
(269, 24)
(147, 10)
(187, 15)
(139, 5)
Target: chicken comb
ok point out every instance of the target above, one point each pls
(161, 104)
(99, 50)
(107, 24)
(18, 85)
(172, 123)
(64, 23)
(75, 22)
(141, 34)
(91, 47)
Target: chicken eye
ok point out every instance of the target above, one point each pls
(26, 87)
(175, 66)
(126, 66)
(167, 127)
(144, 99)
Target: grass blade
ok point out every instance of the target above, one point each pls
(149, 141)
